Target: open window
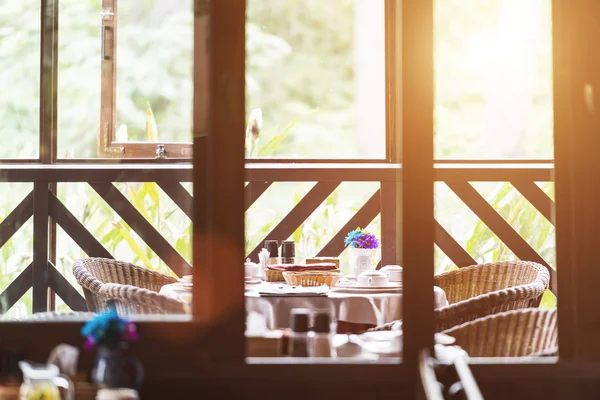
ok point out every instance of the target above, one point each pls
(146, 79)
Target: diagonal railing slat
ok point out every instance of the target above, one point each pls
(451, 248)
(65, 290)
(490, 217)
(363, 217)
(537, 197)
(181, 197)
(75, 229)
(16, 289)
(16, 219)
(296, 217)
(253, 191)
(115, 199)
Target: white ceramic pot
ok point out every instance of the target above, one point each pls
(372, 278)
(361, 260)
(394, 272)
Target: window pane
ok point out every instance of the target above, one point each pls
(78, 78)
(19, 78)
(155, 42)
(317, 71)
(493, 69)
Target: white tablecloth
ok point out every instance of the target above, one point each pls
(372, 308)
(375, 309)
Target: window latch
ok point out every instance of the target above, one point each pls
(161, 153)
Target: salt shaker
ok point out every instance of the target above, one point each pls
(273, 247)
(319, 340)
(298, 341)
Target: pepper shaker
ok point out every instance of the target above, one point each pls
(298, 341)
(288, 252)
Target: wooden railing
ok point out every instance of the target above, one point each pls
(42, 203)
(458, 177)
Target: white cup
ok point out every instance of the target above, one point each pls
(394, 272)
(372, 278)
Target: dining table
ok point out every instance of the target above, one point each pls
(352, 311)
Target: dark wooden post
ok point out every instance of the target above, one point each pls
(390, 221)
(417, 179)
(40, 246)
(576, 144)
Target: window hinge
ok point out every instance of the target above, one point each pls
(107, 14)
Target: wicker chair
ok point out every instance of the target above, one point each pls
(517, 333)
(92, 273)
(484, 289)
(132, 300)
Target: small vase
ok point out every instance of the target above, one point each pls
(113, 370)
(361, 260)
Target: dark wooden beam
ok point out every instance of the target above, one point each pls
(363, 217)
(40, 246)
(283, 171)
(537, 197)
(65, 290)
(16, 219)
(17, 288)
(115, 199)
(451, 248)
(296, 217)
(253, 191)
(130, 172)
(181, 197)
(75, 229)
(499, 226)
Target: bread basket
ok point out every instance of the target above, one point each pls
(312, 278)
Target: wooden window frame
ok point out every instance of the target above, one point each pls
(108, 146)
(209, 351)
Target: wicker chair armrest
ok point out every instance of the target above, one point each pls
(128, 295)
(481, 305)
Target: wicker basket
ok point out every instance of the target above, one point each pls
(312, 278)
(273, 275)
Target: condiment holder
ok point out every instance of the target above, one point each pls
(372, 278)
(394, 272)
(251, 270)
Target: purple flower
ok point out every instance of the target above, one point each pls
(361, 239)
(89, 343)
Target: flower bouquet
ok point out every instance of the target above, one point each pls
(363, 245)
(109, 333)
(108, 330)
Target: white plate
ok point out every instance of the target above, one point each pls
(367, 289)
(356, 285)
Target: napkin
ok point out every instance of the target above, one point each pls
(303, 267)
(263, 257)
(286, 290)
